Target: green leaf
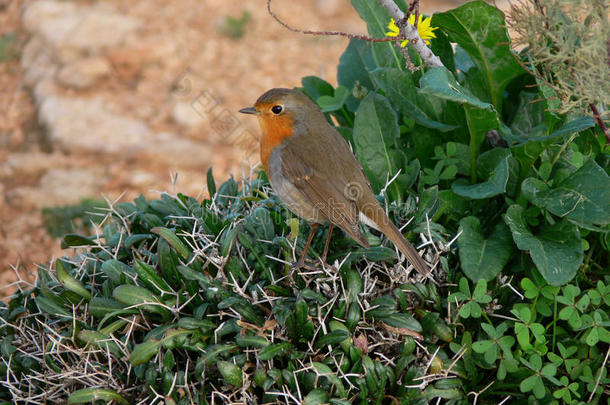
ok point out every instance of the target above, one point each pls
(316, 397)
(399, 320)
(315, 87)
(331, 338)
(576, 125)
(170, 236)
(325, 371)
(386, 54)
(584, 196)
(401, 91)
(69, 282)
(556, 250)
(495, 185)
(353, 64)
(274, 349)
(334, 102)
(145, 351)
(211, 183)
(480, 30)
(375, 134)
(74, 240)
(139, 297)
(51, 307)
(93, 394)
(529, 118)
(231, 373)
(440, 82)
(480, 257)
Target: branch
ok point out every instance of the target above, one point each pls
(330, 33)
(410, 33)
(600, 122)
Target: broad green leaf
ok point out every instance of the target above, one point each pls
(495, 185)
(529, 119)
(375, 134)
(386, 54)
(481, 117)
(353, 64)
(441, 47)
(583, 197)
(480, 122)
(399, 88)
(333, 102)
(315, 87)
(480, 30)
(480, 257)
(527, 153)
(576, 125)
(440, 82)
(556, 250)
(489, 160)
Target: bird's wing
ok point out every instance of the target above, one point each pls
(318, 170)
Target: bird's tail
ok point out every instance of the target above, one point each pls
(376, 214)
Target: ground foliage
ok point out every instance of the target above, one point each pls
(188, 301)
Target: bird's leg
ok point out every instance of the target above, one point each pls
(330, 233)
(301, 262)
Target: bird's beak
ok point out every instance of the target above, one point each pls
(248, 110)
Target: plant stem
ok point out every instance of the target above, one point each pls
(554, 321)
(410, 33)
(600, 122)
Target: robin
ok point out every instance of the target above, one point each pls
(314, 172)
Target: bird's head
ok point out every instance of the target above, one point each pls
(280, 109)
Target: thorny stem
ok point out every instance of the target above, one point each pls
(330, 33)
(407, 31)
(600, 122)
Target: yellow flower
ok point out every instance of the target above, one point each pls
(423, 29)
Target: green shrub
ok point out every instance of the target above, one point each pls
(192, 302)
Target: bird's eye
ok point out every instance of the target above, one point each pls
(276, 109)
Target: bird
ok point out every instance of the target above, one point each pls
(314, 172)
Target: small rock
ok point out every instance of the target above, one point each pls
(37, 62)
(86, 28)
(59, 187)
(79, 123)
(84, 73)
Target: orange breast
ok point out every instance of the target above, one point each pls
(275, 130)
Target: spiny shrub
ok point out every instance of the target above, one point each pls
(192, 301)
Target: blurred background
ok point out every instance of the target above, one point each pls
(112, 99)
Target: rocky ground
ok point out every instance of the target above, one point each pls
(113, 99)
